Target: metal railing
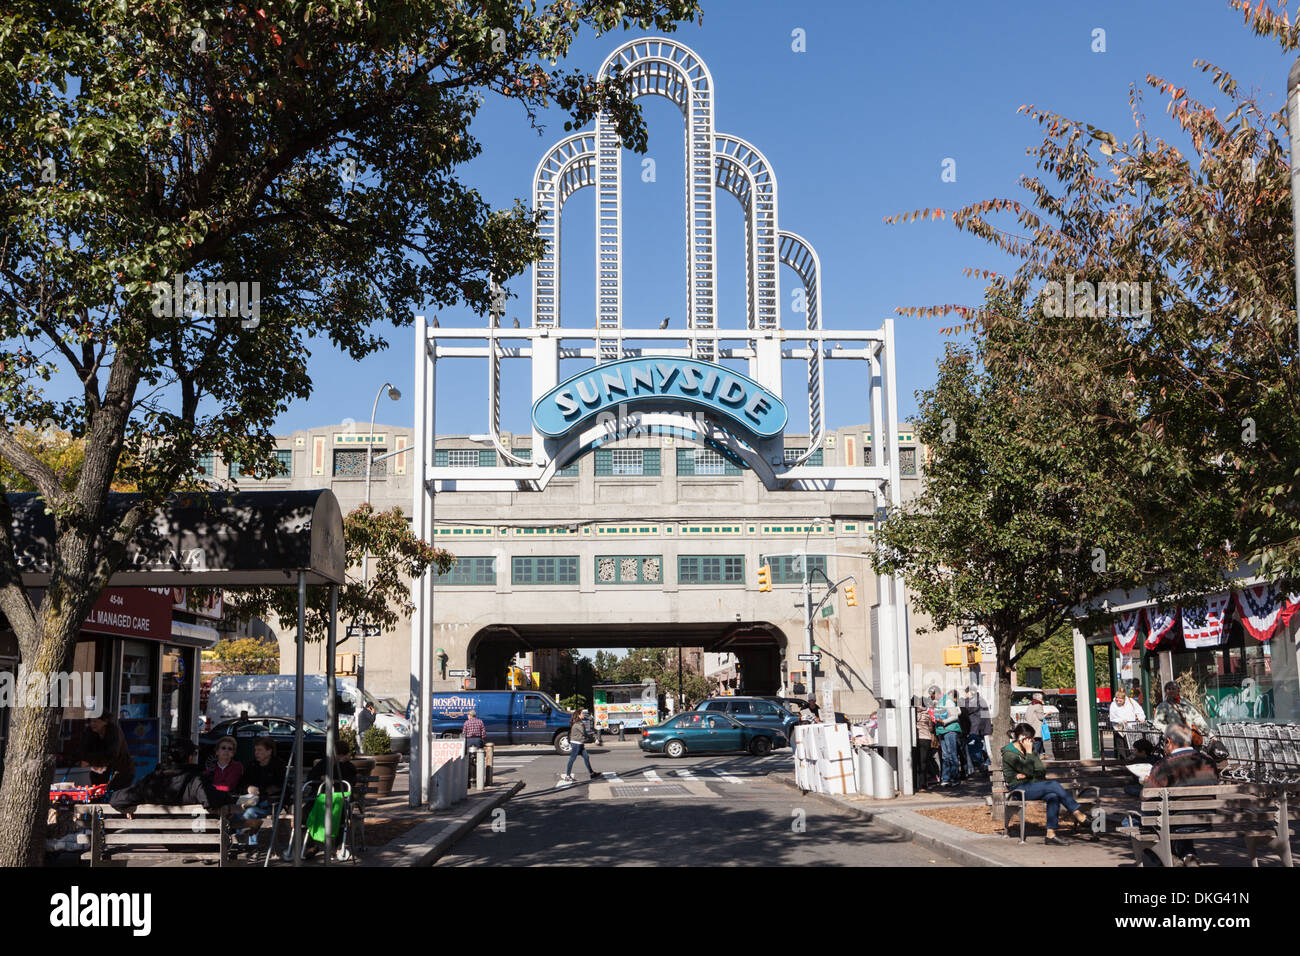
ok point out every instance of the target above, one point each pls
(1261, 753)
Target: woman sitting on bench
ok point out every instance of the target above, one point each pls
(1023, 769)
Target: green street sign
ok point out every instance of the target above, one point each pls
(828, 610)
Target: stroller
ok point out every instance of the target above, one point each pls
(313, 817)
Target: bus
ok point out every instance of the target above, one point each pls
(629, 705)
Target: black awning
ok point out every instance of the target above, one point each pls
(205, 539)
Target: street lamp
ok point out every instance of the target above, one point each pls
(394, 394)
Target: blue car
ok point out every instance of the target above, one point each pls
(704, 732)
(754, 712)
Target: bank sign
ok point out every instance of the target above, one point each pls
(661, 383)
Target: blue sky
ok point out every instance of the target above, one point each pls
(856, 128)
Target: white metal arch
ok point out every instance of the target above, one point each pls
(565, 169)
(659, 67)
(799, 254)
(745, 173)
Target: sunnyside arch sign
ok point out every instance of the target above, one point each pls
(658, 383)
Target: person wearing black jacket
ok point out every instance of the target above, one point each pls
(263, 779)
(176, 781)
(103, 749)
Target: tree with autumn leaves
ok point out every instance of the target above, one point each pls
(1184, 417)
(312, 148)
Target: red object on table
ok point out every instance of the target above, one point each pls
(87, 794)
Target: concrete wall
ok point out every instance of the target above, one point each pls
(590, 516)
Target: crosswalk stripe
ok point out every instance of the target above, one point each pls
(651, 775)
(684, 773)
(726, 776)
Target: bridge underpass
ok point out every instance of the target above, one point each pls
(759, 646)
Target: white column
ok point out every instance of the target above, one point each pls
(546, 373)
(421, 590)
(897, 591)
(1084, 696)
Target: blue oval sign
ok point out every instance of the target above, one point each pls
(660, 382)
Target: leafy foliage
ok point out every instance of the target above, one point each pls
(396, 558)
(309, 147)
(1195, 400)
(376, 741)
(658, 664)
(247, 655)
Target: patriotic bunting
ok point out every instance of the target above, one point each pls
(1289, 607)
(1203, 623)
(1126, 630)
(1159, 623)
(1261, 610)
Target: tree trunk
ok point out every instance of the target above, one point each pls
(29, 757)
(1002, 716)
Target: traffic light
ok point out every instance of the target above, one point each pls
(765, 577)
(850, 595)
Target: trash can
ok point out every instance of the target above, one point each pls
(882, 775)
(863, 769)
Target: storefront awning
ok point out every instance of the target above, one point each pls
(206, 540)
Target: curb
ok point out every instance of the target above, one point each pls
(423, 845)
(893, 820)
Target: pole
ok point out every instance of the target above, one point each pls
(1293, 125)
(296, 849)
(679, 672)
(332, 719)
(365, 558)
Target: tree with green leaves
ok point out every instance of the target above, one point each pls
(397, 557)
(1161, 265)
(1017, 528)
(158, 160)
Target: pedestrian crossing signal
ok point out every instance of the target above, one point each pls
(765, 577)
(850, 595)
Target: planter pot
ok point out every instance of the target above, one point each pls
(364, 765)
(385, 770)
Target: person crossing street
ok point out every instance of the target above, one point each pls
(578, 745)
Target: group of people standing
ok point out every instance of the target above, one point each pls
(954, 725)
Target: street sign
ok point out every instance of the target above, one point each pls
(461, 673)
(813, 658)
(363, 630)
(828, 610)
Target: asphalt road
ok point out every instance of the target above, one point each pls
(654, 811)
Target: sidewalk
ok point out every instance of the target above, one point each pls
(903, 815)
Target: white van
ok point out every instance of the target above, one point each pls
(272, 695)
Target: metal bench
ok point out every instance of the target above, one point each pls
(1083, 779)
(156, 833)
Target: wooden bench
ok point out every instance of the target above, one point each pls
(156, 833)
(1261, 814)
(1092, 783)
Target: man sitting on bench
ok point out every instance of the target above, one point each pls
(1183, 766)
(1023, 769)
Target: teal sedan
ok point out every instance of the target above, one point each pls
(705, 732)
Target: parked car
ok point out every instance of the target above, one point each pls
(246, 730)
(705, 731)
(754, 712)
(232, 694)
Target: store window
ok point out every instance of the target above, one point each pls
(1242, 679)
(136, 690)
(176, 708)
